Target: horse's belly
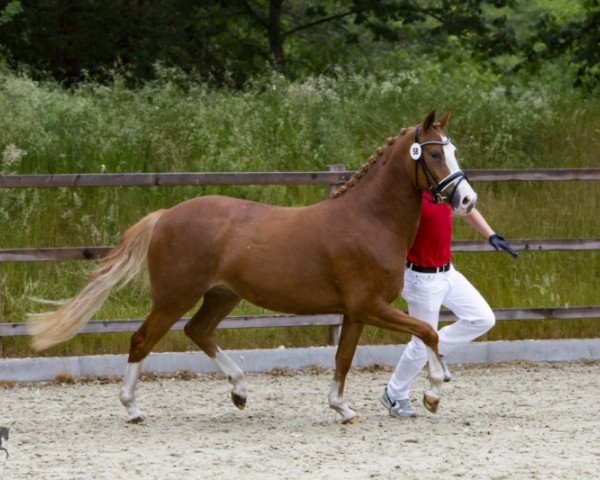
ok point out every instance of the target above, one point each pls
(282, 290)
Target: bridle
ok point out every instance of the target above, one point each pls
(437, 190)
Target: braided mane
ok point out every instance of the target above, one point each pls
(372, 160)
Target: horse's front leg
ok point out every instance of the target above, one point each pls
(343, 360)
(385, 316)
(433, 395)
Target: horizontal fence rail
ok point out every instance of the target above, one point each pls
(91, 253)
(546, 174)
(173, 179)
(265, 178)
(264, 321)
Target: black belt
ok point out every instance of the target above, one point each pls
(418, 268)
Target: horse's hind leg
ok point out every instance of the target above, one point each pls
(201, 329)
(343, 359)
(152, 330)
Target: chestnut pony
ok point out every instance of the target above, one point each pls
(345, 255)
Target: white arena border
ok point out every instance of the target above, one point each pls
(259, 360)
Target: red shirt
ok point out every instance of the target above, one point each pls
(432, 245)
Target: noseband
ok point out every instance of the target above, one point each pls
(436, 189)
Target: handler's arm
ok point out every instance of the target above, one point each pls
(476, 220)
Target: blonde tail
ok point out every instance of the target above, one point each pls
(122, 263)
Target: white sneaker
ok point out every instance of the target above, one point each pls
(399, 408)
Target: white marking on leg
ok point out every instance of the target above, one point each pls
(436, 377)
(235, 376)
(127, 396)
(336, 401)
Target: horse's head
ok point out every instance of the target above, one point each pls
(436, 168)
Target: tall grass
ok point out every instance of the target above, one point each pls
(176, 124)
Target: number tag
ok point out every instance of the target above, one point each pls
(415, 151)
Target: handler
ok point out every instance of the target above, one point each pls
(431, 281)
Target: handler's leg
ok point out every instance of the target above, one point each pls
(475, 317)
(424, 294)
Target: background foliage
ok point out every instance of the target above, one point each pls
(344, 86)
(232, 42)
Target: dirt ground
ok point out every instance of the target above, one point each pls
(511, 421)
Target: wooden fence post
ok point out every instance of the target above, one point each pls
(1, 304)
(334, 330)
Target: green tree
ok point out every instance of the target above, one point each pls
(7, 13)
(307, 36)
(70, 39)
(231, 41)
(578, 39)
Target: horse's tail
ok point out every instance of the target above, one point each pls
(123, 262)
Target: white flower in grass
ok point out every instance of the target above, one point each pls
(12, 155)
(77, 200)
(95, 233)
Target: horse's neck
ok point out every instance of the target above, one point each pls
(386, 192)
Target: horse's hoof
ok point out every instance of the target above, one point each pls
(431, 403)
(238, 401)
(136, 420)
(352, 420)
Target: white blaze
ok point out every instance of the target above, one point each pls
(464, 196)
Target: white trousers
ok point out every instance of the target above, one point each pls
(425, 294)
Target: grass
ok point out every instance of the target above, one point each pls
(293, 126)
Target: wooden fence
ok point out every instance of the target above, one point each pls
(335, 175)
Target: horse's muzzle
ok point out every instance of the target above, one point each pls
(464, 199)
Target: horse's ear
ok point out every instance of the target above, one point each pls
(429, 120)
(444, 120)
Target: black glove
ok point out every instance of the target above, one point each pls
(498, 243)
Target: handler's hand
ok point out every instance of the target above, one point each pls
(498, 243)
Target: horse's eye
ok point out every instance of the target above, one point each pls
(436, 156)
